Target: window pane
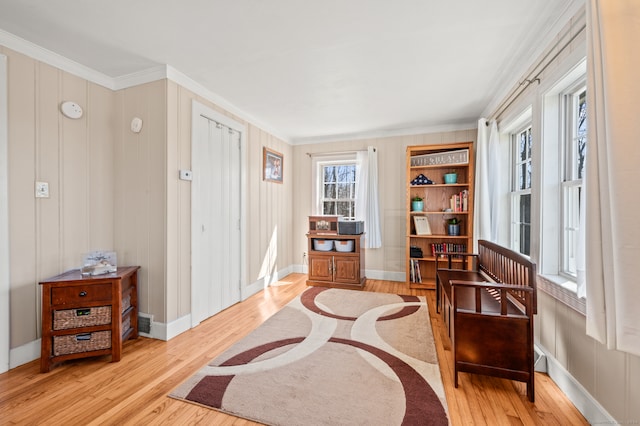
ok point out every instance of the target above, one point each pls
(345, 208)
(529, 143)
(329, 207)
(330, 190)
(581, 132)
(521, 230)
(344, 191)
(346, 173)
(329, 174)
(571, 227)
(523, 146)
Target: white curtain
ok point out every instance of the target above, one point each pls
(613, 174)
(486, 209)
(367, 204)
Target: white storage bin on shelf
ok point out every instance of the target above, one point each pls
(322, 245)
(344, 245)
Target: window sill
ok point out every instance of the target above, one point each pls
(563, 290)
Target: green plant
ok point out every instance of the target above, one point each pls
(416, 198)
(454, 221)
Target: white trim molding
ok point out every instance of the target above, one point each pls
(577, 394)
(4, 222)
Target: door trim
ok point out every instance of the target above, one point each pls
(199, 110)
(4, 222)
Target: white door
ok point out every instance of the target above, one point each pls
(215, 222)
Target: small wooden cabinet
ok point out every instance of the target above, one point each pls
(85, 316)
(334, 268)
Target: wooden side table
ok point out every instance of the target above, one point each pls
(84, 316)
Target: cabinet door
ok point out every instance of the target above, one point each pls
(347, 270)
(320, 268)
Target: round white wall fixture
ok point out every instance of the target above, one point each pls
(71, 109)
(136, 125)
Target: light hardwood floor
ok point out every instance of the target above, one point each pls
(134, 390)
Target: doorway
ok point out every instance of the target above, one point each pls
(216, 212)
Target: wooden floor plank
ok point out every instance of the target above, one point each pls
(134, 391)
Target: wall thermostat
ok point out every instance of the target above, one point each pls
(136, 125)
(71, 109)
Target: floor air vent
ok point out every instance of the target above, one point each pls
(144, 324)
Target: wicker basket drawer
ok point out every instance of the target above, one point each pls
(126, 324)
(126, 301)
(81, 317)
(83, 342)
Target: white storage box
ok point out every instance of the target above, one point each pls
(322, 245)
(344, 245)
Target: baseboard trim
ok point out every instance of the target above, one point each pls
(26, 353)
(577, 394)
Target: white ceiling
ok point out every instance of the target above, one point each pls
(310, 69)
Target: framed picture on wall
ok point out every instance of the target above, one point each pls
(272, 163)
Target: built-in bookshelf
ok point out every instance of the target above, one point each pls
(443, 199)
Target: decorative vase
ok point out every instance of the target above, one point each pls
(450, 178)
(417, 206)
(454, 229)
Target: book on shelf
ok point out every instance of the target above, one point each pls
(459, 202)
(416, 276)
(448, 248)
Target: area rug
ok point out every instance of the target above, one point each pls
(330, 357)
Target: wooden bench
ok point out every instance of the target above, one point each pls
(488, 301)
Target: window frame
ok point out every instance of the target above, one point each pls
(317, 161)
(571, 181)
(516, 163)
(322, 184)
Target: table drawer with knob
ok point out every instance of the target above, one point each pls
(74, 295)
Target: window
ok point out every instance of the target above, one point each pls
(574, 150)
(521, 191)
(338, 188)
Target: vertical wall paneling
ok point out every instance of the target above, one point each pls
(4, 221)
(22, 231)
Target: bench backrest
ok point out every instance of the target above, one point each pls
(508, 267)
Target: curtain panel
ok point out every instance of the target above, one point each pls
(487, 211)
(367, 203)
(613, 173)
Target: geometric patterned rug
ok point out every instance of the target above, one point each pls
(330, 357)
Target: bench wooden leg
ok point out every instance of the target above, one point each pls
(455, 375)
(530, 390)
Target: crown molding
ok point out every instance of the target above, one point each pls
(377, 134)
(192, 85)
(51, 58)
(149, 75)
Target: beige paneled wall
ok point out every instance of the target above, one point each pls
(140, 182)
(391, 177)
(114, 189)
(49, 235)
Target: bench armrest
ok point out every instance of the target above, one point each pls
(520, 294)
(449, 256)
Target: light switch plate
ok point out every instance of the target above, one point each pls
(42, 189)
